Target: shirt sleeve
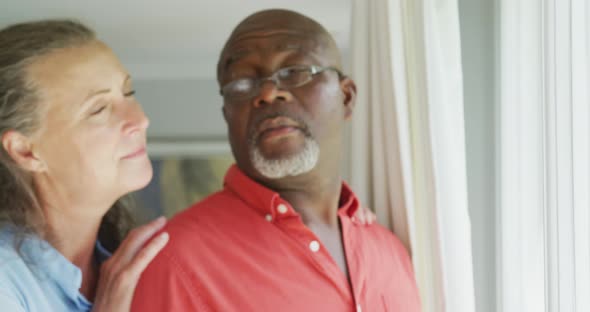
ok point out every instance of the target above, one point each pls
(10, 303)
(164, 286)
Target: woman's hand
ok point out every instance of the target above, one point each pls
(365, 216)
(119, 275)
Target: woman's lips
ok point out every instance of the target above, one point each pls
(137, 153)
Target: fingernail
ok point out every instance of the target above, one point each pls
(164, 236)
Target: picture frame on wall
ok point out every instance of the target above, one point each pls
(185, 172)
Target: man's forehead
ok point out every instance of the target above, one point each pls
(277, 30)
(246, 45)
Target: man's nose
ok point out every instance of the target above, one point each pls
(269, 92)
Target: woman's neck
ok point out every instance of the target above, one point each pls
(74, 236)
(73, 220)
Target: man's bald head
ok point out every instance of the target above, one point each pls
(280, 21)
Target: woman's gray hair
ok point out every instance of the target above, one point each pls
(20, 46)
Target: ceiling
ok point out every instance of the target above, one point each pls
(172, 39)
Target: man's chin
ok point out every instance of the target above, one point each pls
(285, 163)
(277, 156)
(278, 152)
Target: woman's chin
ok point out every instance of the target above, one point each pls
(138, 179)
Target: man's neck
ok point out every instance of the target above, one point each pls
(316, 198)
(314, 195)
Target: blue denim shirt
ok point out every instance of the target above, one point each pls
(40, 278)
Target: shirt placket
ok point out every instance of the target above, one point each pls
(353, 261)
(290, 223)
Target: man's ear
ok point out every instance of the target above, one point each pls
(20, 148)
(224, 110)
(348, 87)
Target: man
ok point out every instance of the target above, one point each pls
(281, 235)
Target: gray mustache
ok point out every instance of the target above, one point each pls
(300, 122)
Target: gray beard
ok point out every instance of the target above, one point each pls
(294, 165)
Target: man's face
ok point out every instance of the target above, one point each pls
(278, 132)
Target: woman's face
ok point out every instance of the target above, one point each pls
(92, 139)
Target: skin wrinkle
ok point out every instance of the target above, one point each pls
(286, 44)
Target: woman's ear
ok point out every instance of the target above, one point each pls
(20, 148)
(348, 87)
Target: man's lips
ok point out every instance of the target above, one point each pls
(136, 153)
(274, 127)
(276, 132)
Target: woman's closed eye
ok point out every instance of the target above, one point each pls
(99, 110)
(103, 105)
(99, 107)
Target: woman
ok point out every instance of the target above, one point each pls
(73, 143)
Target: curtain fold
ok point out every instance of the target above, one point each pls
(407, 140)
(544, 116)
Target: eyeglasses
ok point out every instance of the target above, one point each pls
(285, 78)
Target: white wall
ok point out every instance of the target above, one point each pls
(186, 109)
(477, 35)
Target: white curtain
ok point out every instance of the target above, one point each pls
(407, 143)
(543, 217)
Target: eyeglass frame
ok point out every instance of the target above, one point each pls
(258, 82)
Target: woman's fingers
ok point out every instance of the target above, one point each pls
(365, 216)
(372, 216)
(120, 274)
(145, 256)
(136, 239)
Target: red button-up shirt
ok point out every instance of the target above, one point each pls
(246, 249)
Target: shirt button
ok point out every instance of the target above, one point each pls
(314, 246)
(268, 217)
(358, 308)
(282, 208)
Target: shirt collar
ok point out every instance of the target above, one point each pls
(101, 253)
(47, 262)
(266, 201)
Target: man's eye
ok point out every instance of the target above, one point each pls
(286, 73)
(242, 85)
